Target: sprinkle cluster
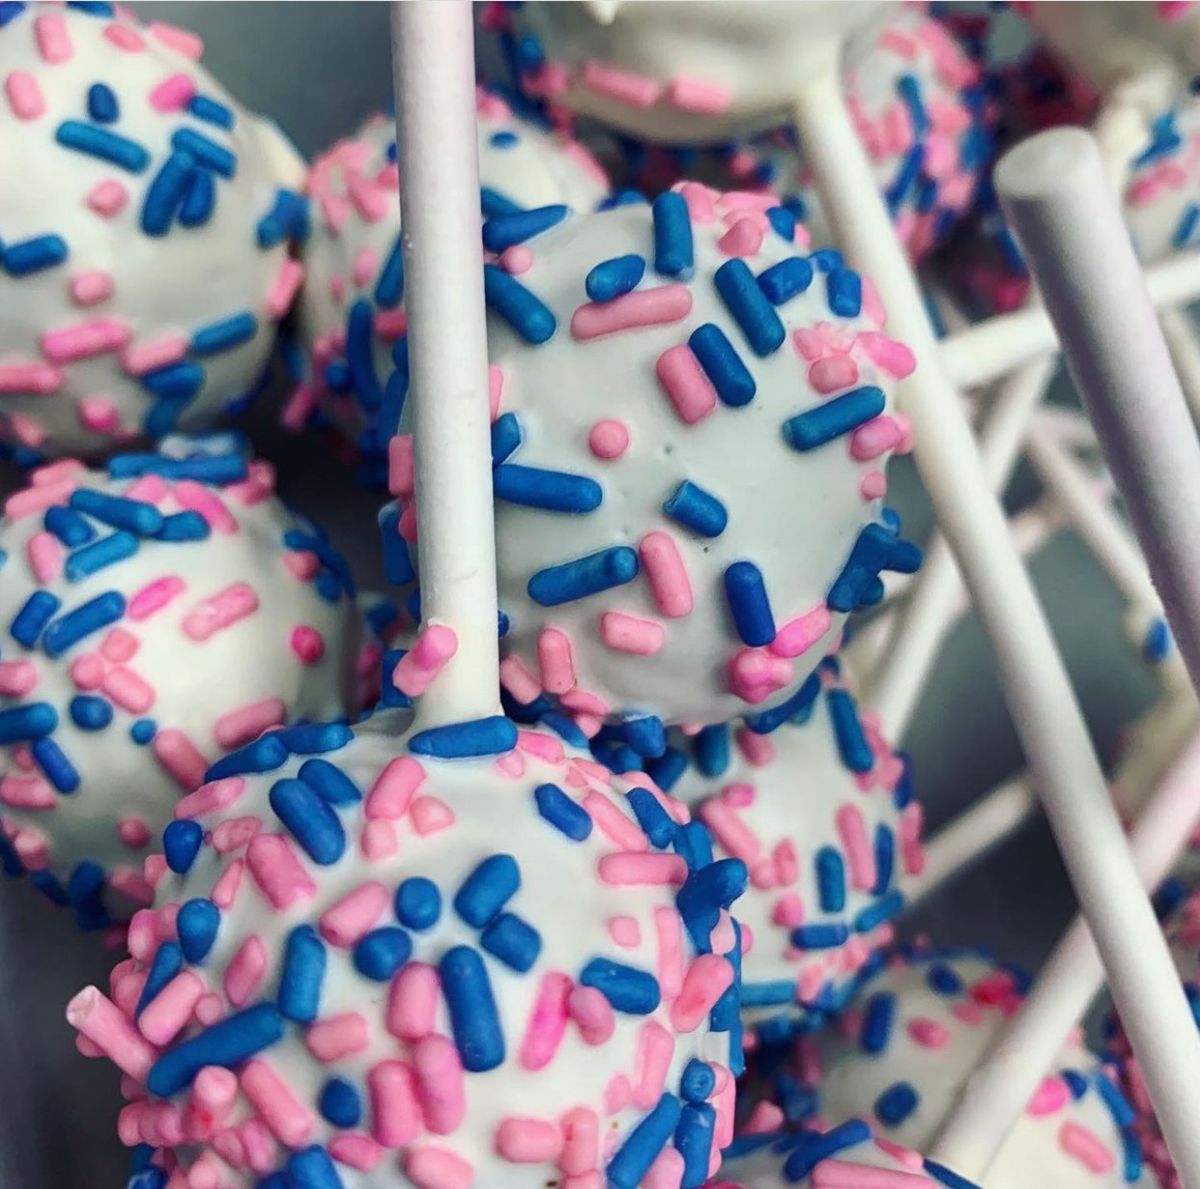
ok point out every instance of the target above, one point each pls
(352, 322)
(491, 971)
(152, 617)
(146, 233)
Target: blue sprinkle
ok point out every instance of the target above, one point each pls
(312, 738)
(74, 626)
(506, 231)
(1076, 1083)
(521, 308)
(480, 737)
(181, 844)
(102, 143)
(310, 819)
(418, 903)
(312, 1169)
(694, 1141)
(137, 516)
(749, 307)
(198, 922)
(90, 713)
(654, 820)
(584, 576)
(697, 509)
(35, 613)
(179, 380)
(831, 879)
(885, 858)
(697, 1081)
(265, 754)
(711, 750)
(381, 953)
(329, 781)
(783, 281)
(627, 989)
(67, 525)
(720, 362)
(1132, 1157)
(555, 491)
(814, 1147)
(48, 885)
(943, 979)
(107, 551)
(85, 885)
(492, 203)
(33, 255)
(168, 962)
(20, 724)
(783, 222)
(503, 140)
(562, 813)
(560, 724)
(666, 770)
(183, 526)
(506, 437)
(614, 278)
(217, 469)
(1118, 1105)
(847, 727)
(646, 734)
(673, 252)
(843, 414)
(304, 960)
(1156, 646)
(339, 1103)
(143, 731)
(211, 111)
(896, 1103)
(844, 292)
(287, 218)
(773, 994)
(944, 1176)
(165, 193)
(487, 889)
(226, 334)
(195, 144)
(820, 937)
(474, 1020)
(827, 260)
(360, 355)
(397, 565)
(513, 941)
(632, 1160)
(102, 104)
(389, 695)
(58, 769)
(746, 594)
(793, 709)
(710, 887)
(10, 10)
(875, 549)
(1187, 225)
(887, 907)
(199, 199)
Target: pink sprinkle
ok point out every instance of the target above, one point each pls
(393, 790)
(730, 831)
(622, 831)
(852, 829)
(622, 86)
(104, 1024)
(893, 357)
(873, 485)
(198, 498)
(38, 378)
(581, 1141)
(17, 678)
(593, 1015)
(757, 750)
(133, 832)
(655, 1049)
(284, 288)
(800, 634)
(124, 38)
(277, 871)
(290, 1121)
(516, 260)
(215, 1091)
(1086, 1147)
(308, 644)
(225, 890)
(666, 1172)
(556, 661)
(401, 471)
(303, 564)
(832, 373)
(755, 674)
(336, 1037)
(928, 1033)
(417, 669)
(625, 869)
(631, 633)
(173, 93)
(180, 40)
(519, 681)
(763, 1119)
(53, 39)
(706, 980)
(146, 357)
(45, 554)
(437, 1168)
(181, 758)
(698, 95)
(1050, 1097)
(912, 823)
(108, 198)
(366, 261)
(245, 972)
(379, 840)
(528, 1141)
(666, 573)
(119, 646)
(221, 611)
(625, 932)
(876, 437)
(87, 671)
(129, 690)
(545, 747)
(395, 1111)
(608, 439)
(155, 596)
(413, 1001)
(668, 930)
(632, 311)
(248, 722)
(495, 390)
(355, 914)
(24, 95)
(744, 238)
(26, 792)
(440, 1090)
(169, 1011)
(360, 1152)
(681, 376)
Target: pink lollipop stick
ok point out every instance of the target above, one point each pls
(434, 63)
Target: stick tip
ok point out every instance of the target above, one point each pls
(1053, 163)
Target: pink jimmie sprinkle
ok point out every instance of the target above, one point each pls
(666, 1172)
(655, 1049)
(53, 39)
(495, 390)
(336, 1037)
(873, 485)
(519, 681)
(613, 824)
(26, 792)
(89, 288)
(246, 971)
(1050, 1097)
(39, 379)
(626, 869)
(632, 311)
(413, 1001)
(25, 96)
(180, 40)
(928, 1033)
(277, 871)
(106, 1026)
(516, 260)
(290, 1121)
(133, 832)
(608, 439)
(763, 1119)
(1086, 1147)
(429, 655)
(221, 611)
(755, 674)
(129, 690)
(438, 1168)
(355, 914)
(146, 357)
(833, 373)
(593, 1015)
(698, 95)
(45, 553)
(198, 498)
(401, 470)
(284, 288)
(522, 1140)
(744, 238)
(85, 339)
(852, 829)
(393, 790)
(581, 1141)
(668, 931)
(182, 760)
(155, 596)
(556, 661)
(683, 379)
(440, 1090)
(173, 93)
(248, 722)
(730, 831)
(547, 1022)
(631, 633)
(124, 38)
(17, 678)
(895, 358)
(667, 574)
(876, 437)
(108, 198)
(171, 1009)
(395, 1111)
(798, 635)
(622, 86)
(357, 1151)
(706, 980)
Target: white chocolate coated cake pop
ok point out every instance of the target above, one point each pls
(693, 416)
(1162, 195)
(153, 618)
(147, 223)
(351, 311)
(683, 71)
(464, 958)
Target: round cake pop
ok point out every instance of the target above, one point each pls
(683, 71)
(350, 312)
(147, 223)
(462, 958)
(688, 461)
(922, 115)
(902, 1055)
(821, 812)
(1162, 196)
(155, 617)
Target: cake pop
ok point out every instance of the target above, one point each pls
(463, 957)
(351, 314)
(156, 615)
(655, 565)
(147, 228)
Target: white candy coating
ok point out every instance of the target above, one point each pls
(1162, 196)
(208, 642)
(686, 71)
(356, 229)
(574, 1076)
(140, 315)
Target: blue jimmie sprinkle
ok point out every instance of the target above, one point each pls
(875, 549)
(584, 576)
(813, 1147)
(556, 491)
(360, 355)
(107, 551)
(102, 143)
(807, 431)
(310, 820)
(389, 288)
(184, 526)
(265, 754)
(198, 923)
(820, 937)
(783, 221)
(20, 724)
(887, 907)
(102, 104)
(646, 734)
(287, 218)
(67, 525)
(199, 199)
(304, 960)
(33, 255)
(136, 516)
(697, 1081)
(772, 994)
(312, 738)
(381, 953)
(168, 962)
(943, 979)
(562, 813)
(642, 1145)
(655, 821)
(710, 887)
(506, 231)
(615, 277)
(487, 889)
(826, 260)
(785, 280)
(896, 1103)
(711, 750)
(312, 1169)
(944, 1176)
(635, 992)
(885, 858)
(339, 1103)
(749, 307)
(521, 308)
(513, 941)
(831, 879)
(844, 291)
(211, 111)
(226, 334)
(165, 193)
(74, 626)
(418, 903)
(493, 203)
(697, 509)
(181, 844)
(480, 737)
(847, 728)
(746, 594)
(474, 1021)
(720, 362)
(666, 769)
(204, 150)
(35, 613)
(506, 437)
(673, 251)
(329, 781)
(182, 379)
(58, 769)
(694, 1140)
(793, 708)
(218, 469)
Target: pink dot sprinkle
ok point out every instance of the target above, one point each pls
(928, 1033)
(307, 644)
(53, 39)
(99, 414)
(516, 260)
(173, 93)
(108, 198)
(89, 288)
(87, 671)
(17, 678)
(608, 439)
(133, 832)
(25, 96)
(625, 932)
(873, 485)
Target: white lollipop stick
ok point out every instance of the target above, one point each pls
(1000, 1088)
(1066, 771)
(433, 58)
